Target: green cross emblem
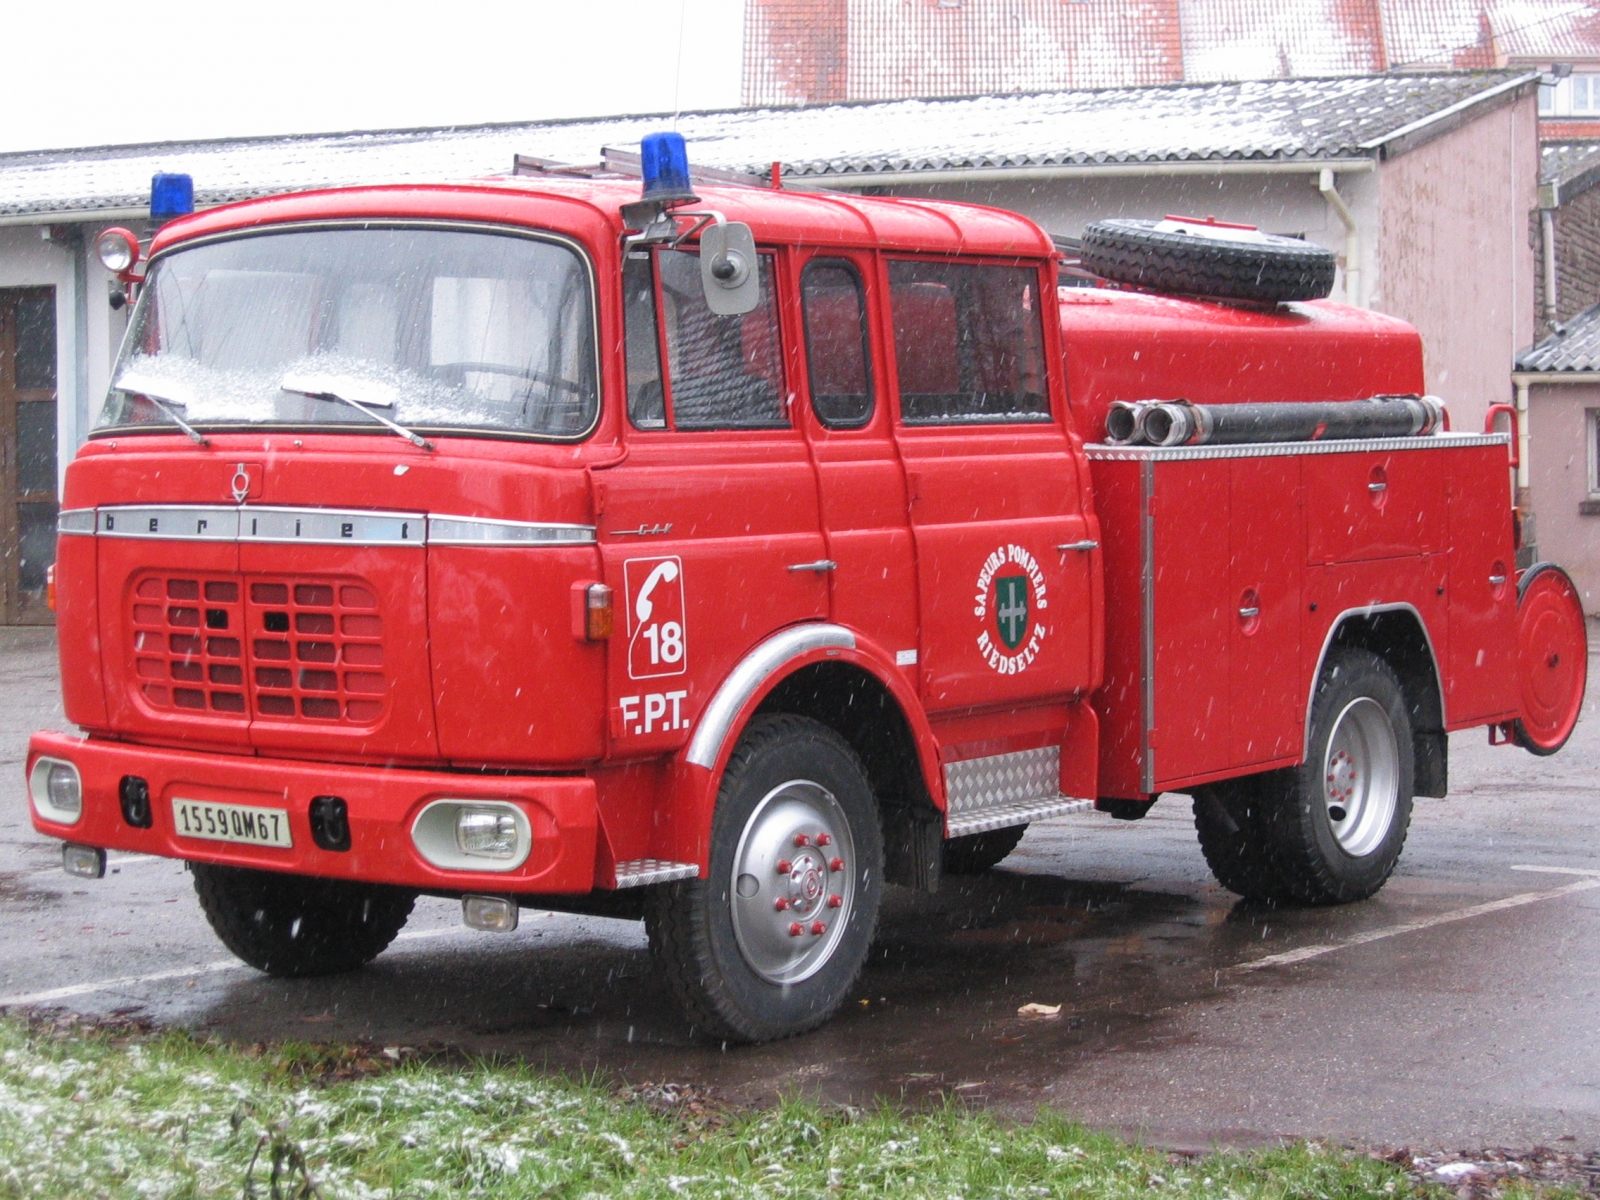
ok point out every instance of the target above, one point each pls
(1011, 609)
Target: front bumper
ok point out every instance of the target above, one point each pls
(382, 804)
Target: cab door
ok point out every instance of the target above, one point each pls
(859, 477)
(1005, 552)
(708, 530)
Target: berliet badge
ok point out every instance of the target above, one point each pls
(240, 482)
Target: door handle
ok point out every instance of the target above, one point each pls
(821, 565)
(1086, 544)
(1496, 580)
(1377, 487)
(1248, 612)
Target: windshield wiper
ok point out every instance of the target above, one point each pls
(167, 405)
(342, 390)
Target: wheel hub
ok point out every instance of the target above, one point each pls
(792, 891)
(1361, 777)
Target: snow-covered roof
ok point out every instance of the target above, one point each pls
(848, 144)
(1567, 170)
(1574, 346)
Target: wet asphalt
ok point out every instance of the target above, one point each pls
(1458, 1009)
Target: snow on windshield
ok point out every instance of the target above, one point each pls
(432, 328)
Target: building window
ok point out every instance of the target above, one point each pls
(1575, 96)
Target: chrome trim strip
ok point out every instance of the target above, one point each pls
(486, 531)
(639, 872)
(75, 520)
(1438, 441)
(1327, 643)
(169, 522)
(331, 526)
(1021, 813)
(753, 670)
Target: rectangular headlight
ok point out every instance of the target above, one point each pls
(486, 832)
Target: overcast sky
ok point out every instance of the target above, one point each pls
(87, 72)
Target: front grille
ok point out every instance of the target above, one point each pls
(275, 648)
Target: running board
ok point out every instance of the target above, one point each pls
(641, 871)
(1005, 815)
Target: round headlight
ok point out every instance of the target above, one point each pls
(118, 250)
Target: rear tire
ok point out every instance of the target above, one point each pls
(727, 943)
(1330, 830)
(1235, 829)
(293, 926)
(978, 852)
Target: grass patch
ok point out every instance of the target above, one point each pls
(102, 1114)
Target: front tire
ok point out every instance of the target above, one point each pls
(294, 926)
(768, 945)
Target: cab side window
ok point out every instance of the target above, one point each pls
(722, 372)
(968, 343)
(836, 343)
(647, 402)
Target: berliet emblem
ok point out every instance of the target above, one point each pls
(1011, 587)
(240, 482)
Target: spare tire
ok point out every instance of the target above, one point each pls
(1227, 262)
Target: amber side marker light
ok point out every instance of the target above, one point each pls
(598, 619)
(50, 586)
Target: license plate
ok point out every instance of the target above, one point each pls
(231, 822)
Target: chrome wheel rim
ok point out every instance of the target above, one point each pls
(792, 887)
(1361, 777)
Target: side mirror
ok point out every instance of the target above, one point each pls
(728, 269)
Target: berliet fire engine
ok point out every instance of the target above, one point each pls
(721, 561)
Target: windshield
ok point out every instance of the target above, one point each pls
(438, 329)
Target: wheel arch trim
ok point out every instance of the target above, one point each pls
(746, 679)
(1339, 622)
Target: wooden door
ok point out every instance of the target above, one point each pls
(27, 452)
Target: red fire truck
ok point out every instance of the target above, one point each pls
(719, 561)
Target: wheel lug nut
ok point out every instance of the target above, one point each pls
(796, 929)
(784, 866)
(817, 927)
(782, 903)
(836, 864)
(835, 901)
(801, 839)
(824, 839)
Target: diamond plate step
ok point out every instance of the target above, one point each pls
(638, 872)
(1019, 813)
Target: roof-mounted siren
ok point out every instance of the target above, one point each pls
(171, 195)
(728, 260)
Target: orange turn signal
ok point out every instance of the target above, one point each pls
(597, 618)
(50, 586)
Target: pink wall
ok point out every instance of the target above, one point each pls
(1558, 473)
(1454, 257)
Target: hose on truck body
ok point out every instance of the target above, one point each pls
(1180, 423)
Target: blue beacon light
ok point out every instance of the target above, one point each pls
(171, 195)
(664, 164)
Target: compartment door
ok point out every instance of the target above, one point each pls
(1481, 680)
(1266, 538)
